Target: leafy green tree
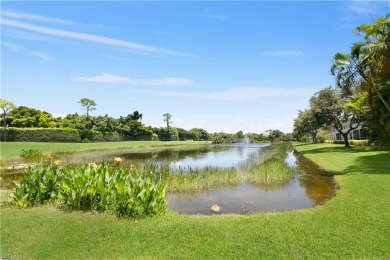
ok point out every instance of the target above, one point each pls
(308, 123)
(274, 135)
(337, 111)
(198, 134)
(6, 106)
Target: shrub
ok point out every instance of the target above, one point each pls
(359, 142)
(338, 141)
(42, 135)
(321, 136)
(304, 139)
(38, 186)
(126, 193)
(31, 155)
(58, 135)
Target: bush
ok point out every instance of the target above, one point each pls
(42, 135)
(338, 141)
(126, 193)
(359, 142)
(321, 136)
(31, 155)
(38, 186)
(58, 135)
(304, 139)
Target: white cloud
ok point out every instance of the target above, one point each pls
(282, 53)
(141, 48)
(42, 56)
(236, 94)
(109, 78)
(104, 78)
(33, 17)
(12, 47)
(365, 7)
(218, 17)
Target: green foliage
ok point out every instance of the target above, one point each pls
(359, 142)
(38, 186)
(338, 142)
(304, 139)
(321, 136)
(126, 193)
(31, 155)
(58, 135)
(43, 135)
(273, 170)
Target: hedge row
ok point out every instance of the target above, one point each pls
(57, 135)
(353, 142)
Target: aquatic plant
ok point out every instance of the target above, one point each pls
(124, 192)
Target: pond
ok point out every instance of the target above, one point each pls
(308, 187)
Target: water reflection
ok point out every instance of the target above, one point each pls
(308, 188)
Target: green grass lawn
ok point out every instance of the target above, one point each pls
(13, 149)
(355, 224)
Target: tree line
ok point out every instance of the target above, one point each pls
(129, 127)
(361, 95)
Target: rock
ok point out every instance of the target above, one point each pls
(215, 208)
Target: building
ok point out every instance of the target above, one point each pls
(356, 134)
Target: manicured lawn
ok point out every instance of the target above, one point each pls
(353, 225)
(13, 149)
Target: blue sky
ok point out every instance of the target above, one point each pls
(221, 66)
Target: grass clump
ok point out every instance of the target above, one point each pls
(273, 170)
(206, 178)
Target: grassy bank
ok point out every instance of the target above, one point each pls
(354, 224)
(13, 149)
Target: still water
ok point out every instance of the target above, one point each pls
(307, 188)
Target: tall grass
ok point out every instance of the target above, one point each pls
(264, 168)
(272, 168)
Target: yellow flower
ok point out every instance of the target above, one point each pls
(57, 162)
(91, 165)
(117, 160)
(132, 167)
(49, 157)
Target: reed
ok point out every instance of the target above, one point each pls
(273, 170)
(201, 179)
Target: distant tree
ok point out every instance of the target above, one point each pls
(198, 134)
(89, 105)
(167, 119)
(274, 135)
(308, 122)
(136, 116)
(239, 134)
(6, 106)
